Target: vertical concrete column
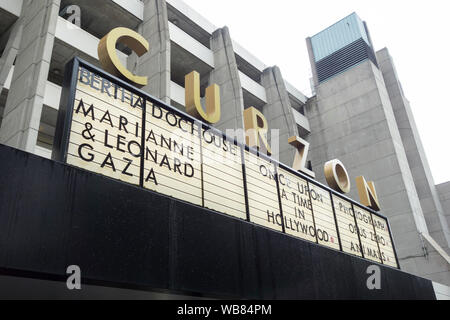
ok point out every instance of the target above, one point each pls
(423, 179)
(226, 75)
(279, 115)
(10, 53)
(156, 63)
(312, 62)
(23, 109)
(444, 197)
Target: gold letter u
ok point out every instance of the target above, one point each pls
(192, 99)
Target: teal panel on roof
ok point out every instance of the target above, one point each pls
(337, 36)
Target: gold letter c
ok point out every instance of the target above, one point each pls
(108, 55)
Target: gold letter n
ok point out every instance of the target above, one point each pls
(367, 193)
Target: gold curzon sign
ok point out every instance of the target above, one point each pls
(110, 128)
(256, 125)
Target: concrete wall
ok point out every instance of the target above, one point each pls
(22, 115)
(418, 163)
(444, 196)
(353, 120)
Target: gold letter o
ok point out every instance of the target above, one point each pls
(337, 176)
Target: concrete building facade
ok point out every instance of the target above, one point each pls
(359, 116)
(444, 196)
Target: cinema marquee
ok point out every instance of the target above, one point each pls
(112, 128)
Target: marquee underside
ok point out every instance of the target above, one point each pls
(53, 215)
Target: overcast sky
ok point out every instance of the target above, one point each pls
(416, 33)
